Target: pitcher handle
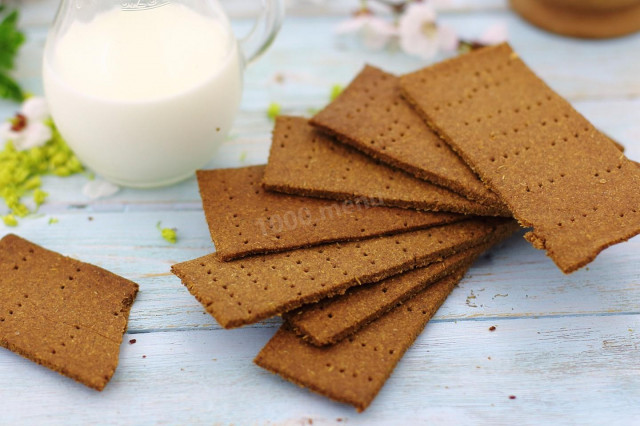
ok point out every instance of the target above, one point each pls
(264, 31)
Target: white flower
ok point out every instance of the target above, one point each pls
(495, 34)
(97, 188)
(421, 36)
(28, 129)
(374, 32)
(35, 108)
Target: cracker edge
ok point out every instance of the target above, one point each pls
(360, 406)
(501, 234)
(536, 240)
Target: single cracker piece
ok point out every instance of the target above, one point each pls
(355, 369)
(304, 161)
(371, 115)
(62, 313)
(555, 171)
(248, 290)
(332, 319)
(245, 219)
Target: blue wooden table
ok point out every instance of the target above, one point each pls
(567, 347)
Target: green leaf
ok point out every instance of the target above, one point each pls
(10, 40)
(9, 89)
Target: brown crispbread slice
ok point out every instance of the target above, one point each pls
(554, 170)
(332, 319)
(248, 290)
(245, 219)
(354, 370)
(372, 116)
(304, 161)
(62, 313)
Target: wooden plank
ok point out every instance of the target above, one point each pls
(570, 370)
(249, 144)
(511, 281)
(311, 8)
(41, 12)
(577, 69)
(565, 346)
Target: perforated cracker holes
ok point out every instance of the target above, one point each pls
(396, 134)
(248, 220)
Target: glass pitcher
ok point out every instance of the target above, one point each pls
(145, 91)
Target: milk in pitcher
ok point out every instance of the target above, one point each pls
(143, 95)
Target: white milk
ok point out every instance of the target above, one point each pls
(144, 97)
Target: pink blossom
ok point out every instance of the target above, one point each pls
(421, 36)
(28, 129)
(374, 32)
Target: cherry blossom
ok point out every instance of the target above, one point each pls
(28, 128)
(374, 32)
(421, 36)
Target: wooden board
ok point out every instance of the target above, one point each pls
(565, 346)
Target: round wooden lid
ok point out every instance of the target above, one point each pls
(582, 18)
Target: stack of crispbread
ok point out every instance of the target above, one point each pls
(368, 215)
